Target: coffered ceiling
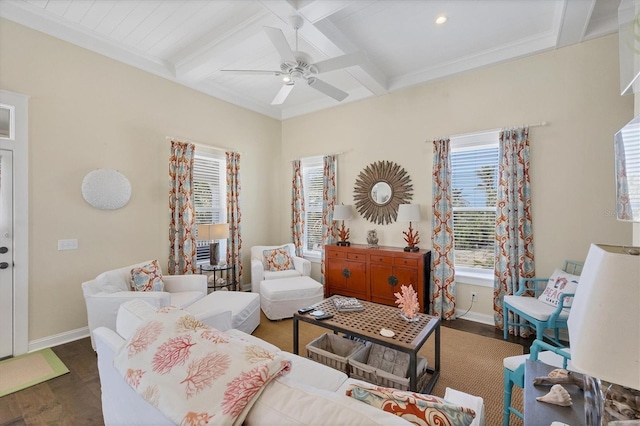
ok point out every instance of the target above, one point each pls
(191, 41)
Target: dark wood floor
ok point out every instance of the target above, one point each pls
(74, 398)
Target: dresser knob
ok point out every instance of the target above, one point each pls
(346, 273)
(392, 280)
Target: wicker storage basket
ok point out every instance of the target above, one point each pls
(386, 367)
(333, 350)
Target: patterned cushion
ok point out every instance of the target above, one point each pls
(278, 259)
(419, 409)
(560, 282)
(147, 277)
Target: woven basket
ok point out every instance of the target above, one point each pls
(333, 351)
(392, 372)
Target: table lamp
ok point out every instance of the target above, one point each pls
(604, 324)
(410, 213)
(213, 232)
(342, 212)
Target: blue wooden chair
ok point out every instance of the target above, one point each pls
(535, 313)
(514, 371)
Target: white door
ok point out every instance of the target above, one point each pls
(6, 253)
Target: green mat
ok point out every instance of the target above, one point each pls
(29, 369)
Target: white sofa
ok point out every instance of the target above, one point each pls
(104, 294)
(310, 394)
(258, 272)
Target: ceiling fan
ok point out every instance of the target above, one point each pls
(297, 66)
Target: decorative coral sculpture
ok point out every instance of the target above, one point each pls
(412, 239)
(343, 233)
(407, 301)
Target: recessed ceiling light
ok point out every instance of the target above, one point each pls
(441, 19)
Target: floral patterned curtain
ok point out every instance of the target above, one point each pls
(514, 230)
(328, 203)
(234, 215)
(443, 286)
(297, 208)
(182, 240)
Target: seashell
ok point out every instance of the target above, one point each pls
(557, 395)
(559, 372)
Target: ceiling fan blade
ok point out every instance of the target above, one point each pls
(327, 89)
(282, 94)
(339, 62)
(265, 72)
(280, 43)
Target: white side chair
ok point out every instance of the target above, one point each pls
(260, 272)
(104, 294)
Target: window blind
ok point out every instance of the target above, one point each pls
(209, 197)
(474, 173)
(312, 172)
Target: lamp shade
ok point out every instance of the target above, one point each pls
(342, 212)
(604, 321)
(409, 213)
(216, 231)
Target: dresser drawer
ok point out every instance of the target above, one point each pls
(386, 260)
(336, 254)
(399, 261)
(356, 256)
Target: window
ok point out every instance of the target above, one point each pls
(312, 171)
(474, 180)
(209, 197)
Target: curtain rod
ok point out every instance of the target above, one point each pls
(201, 145)
(319, 155)
(540, 124)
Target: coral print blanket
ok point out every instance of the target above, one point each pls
(194, 374)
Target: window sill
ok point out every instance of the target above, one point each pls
(474, 278)
(313, 257)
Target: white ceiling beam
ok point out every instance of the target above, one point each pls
(326, 38)
(575, 20)
(317, 10)
(206, 57)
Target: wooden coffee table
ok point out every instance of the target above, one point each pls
(409, 336)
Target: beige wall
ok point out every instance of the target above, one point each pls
(86, 112)
(574, 89)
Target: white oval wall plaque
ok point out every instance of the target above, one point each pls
(106, 189)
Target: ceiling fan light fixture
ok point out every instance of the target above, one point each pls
(286, 79)
(441, 19)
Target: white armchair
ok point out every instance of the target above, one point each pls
(104, 294)
(259, 271)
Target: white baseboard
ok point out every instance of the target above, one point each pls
(58, 339)
(476, 317)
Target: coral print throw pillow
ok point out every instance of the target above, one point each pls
(278, 259)
(419, 409)
(195, 374)
(560, 282)
(147, 277)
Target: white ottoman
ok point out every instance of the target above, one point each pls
(282, 297)
(244, 307)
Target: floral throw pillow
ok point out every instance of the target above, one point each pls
(147, 277)
(419, 409)
(560, 282)
(277, 259)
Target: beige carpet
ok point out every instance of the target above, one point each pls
(468, 362)
(30, 369)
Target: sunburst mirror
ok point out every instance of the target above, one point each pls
(380, 188)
